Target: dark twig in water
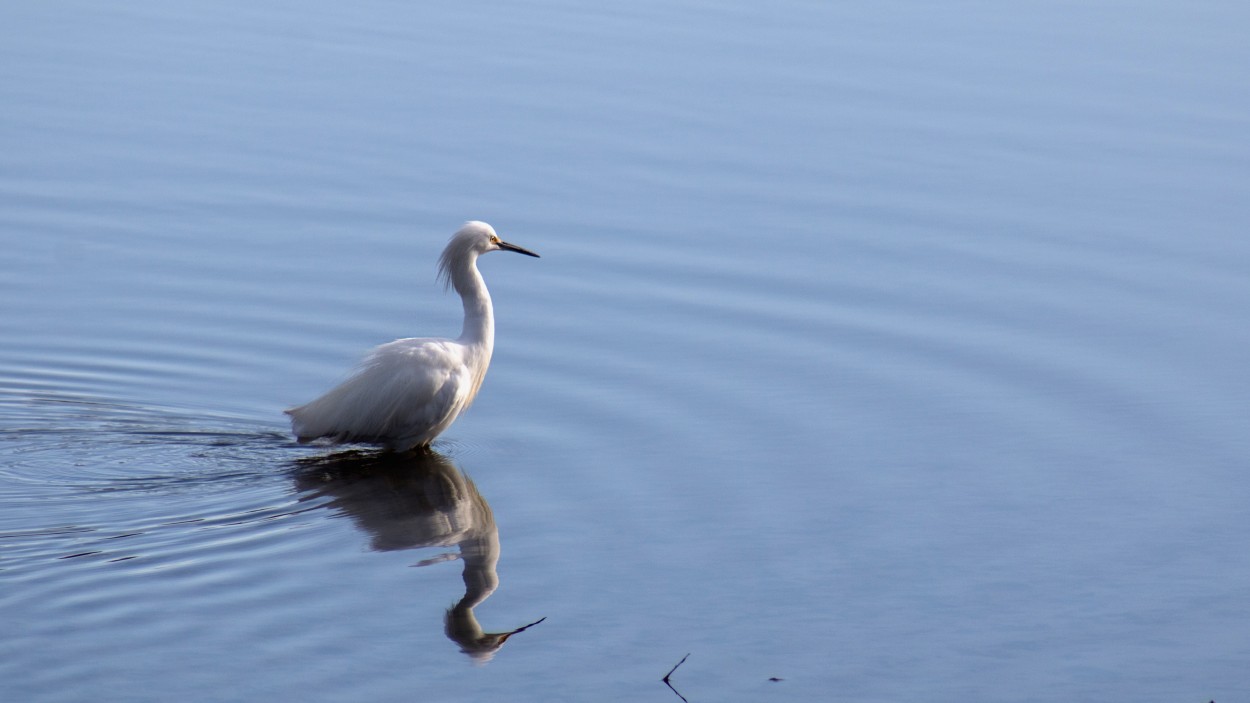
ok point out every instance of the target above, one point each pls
(670, 673)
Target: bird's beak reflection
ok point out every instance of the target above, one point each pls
(418, 500)
(520, 250)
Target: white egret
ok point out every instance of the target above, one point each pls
(407, 392)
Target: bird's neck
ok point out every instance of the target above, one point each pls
(479, 316)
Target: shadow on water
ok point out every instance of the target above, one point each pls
(418, 500)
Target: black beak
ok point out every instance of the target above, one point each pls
(520, 250)
(504, 637)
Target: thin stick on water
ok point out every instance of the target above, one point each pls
(670, 673)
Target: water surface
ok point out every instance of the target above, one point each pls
(896, 352)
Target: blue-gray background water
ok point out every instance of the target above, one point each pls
(897, 351)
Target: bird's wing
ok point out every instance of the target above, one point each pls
(426, 385)
(402, 389)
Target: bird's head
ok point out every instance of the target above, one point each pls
(470, 241)
(481, 238)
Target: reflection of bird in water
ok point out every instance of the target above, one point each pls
(408, 391)
(410, 501)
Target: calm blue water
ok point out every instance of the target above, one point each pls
(895, 351)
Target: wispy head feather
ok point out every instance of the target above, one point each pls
(472, 238)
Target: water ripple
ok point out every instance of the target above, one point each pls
(122, 483)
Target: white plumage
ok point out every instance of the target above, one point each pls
(407, 392)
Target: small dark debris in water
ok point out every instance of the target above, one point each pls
(775, 678)
(670, 673)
